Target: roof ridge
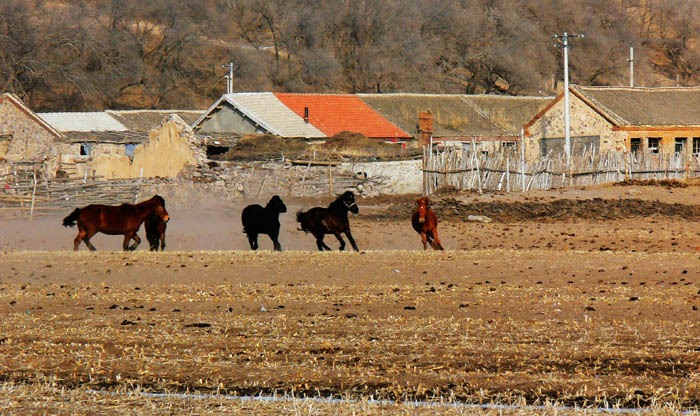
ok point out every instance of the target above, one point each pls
(628, 88)
(151, 111)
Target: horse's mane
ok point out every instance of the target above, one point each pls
(338, 204)
(157, 199)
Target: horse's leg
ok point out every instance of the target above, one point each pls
(162, 241)
(320, 244)
(435, 243)
(340, 239)
(137, 239)
(348, 234)
(274, 236)
(79, 238)
(125, 245)
(424, 239)
(127, 238)
(253, 241)
(86, 239)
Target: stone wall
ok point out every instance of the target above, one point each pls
(402, 177)
(25, 138)
(262, 179)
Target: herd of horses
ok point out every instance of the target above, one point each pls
(126, 219)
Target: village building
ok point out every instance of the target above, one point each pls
(125, 144)
(25, 138)
(632, 119)
(336, 113)
(303, 116)
(254, 113)
(489, 122)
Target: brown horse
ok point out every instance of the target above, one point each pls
(424, 221)
(123, 219)
(155, 232)
(332, 220)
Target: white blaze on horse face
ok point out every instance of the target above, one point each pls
(422, 212)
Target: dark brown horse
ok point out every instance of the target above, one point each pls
(258, 220)
(155, 232)
(332, 220)
(424, 221)
(124, 220)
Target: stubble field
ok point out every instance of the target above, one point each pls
(567, 312)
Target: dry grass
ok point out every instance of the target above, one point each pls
(49, 399)
(354, 325)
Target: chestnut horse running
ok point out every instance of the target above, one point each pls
(123, 219)
(332, 220)
(424, 221)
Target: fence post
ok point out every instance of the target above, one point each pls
(507, 172)
(476, 157)
(522, 159)
(330, 178)
(31, 210)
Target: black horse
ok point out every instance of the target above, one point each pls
(258, 220)
(155, 232)
(332, 220)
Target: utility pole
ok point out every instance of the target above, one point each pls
(229, 78)
(564, 39)
(631, 61)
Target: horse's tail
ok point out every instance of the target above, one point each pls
(302, 219)
(70, 220)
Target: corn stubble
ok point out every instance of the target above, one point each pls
(392, 334)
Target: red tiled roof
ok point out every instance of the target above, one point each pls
(333, 113)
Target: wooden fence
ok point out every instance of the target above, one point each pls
(28, 190)
(508, 171)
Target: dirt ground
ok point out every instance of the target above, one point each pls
(578, 309)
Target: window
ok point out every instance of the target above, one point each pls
(85, 149)
(680, 145)
(635, 144)
(654, 143)
(129, 149)
(696, 146)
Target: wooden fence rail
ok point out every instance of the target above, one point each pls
(21, 192)
(507, 171)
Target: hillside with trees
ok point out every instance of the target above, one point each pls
(82, 55)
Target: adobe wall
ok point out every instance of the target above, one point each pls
(584, 122)
(170, 147)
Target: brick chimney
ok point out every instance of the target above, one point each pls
(425, 127)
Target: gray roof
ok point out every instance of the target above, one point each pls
(509, 112)
(84, 122)
(454, 115)
(637, 106)
(265, 110)
(145, 120)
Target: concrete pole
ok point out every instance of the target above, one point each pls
(567, 121)
(631, 66)
(229, 78)
(522, 159)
